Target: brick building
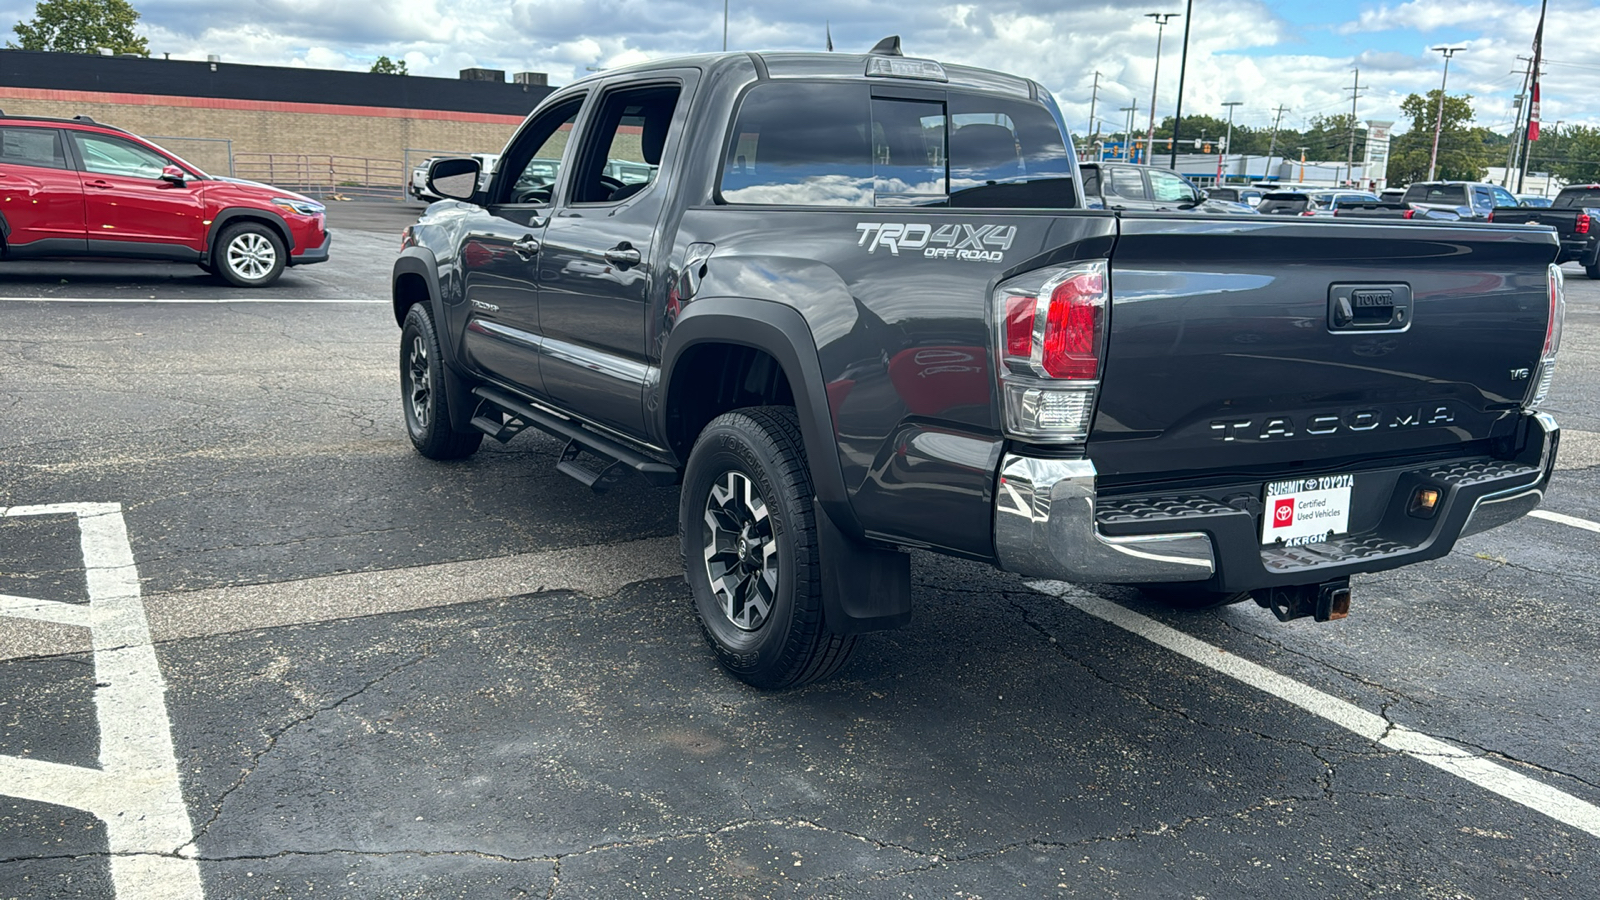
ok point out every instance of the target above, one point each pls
(205, 111)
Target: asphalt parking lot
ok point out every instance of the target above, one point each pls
(251, 645)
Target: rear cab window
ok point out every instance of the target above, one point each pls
(1578, 198)
(849, 144)
(1438, 194)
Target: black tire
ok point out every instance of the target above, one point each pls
(1180, 596)
(1593, 270)
(786, 644)
(422, 394)
(249, 254)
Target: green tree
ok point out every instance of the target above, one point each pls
(387, 66)
(1464, 151)
(81, 26)
(1572, 154)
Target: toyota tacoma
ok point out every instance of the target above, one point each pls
(859, 306)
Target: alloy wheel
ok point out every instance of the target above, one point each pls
(741, 551)
(251, 256)
(418, 388)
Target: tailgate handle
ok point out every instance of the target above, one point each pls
(1369, 307)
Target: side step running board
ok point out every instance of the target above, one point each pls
(578, 438)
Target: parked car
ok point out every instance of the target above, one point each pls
(1126, 186)
(417, 184)
(1361, 209)
(1323, 203)
(1250, 196)
(1467, 199)
(842, 340)
(1285, 203)
(76, 187)
(1575, 216)
(1534, 201)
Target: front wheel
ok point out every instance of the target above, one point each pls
(422, 391)
(749, 539)
(249, 255)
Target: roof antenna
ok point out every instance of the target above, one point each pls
(889, 46)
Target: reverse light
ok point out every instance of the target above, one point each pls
(1050, 336)
(1540, 389)
(302, 207)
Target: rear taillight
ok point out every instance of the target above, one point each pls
(1552, 339)
(1491, 215)
(1583, 223)
(1050, 336)
(1409, 214)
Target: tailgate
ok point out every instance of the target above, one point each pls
(1252, 347)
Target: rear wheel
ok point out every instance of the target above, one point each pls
(422, 393)
(749, 539)
(1593, 269)
(249, 254)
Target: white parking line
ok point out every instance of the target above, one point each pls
(1490, 776)
(135, 791)
(183, 300)
(1574, 521)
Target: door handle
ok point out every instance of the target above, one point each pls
(98, 185)
(623, 255)
(526, 246)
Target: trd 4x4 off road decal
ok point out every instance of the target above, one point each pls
(974, 243)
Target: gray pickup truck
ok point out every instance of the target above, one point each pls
(859, 306)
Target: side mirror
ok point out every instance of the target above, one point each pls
(174, 175)
(456, 179)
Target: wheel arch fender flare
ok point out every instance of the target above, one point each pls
(419, 264)
(781, 332)
(233, 214)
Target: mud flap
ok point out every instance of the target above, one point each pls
(864, 588)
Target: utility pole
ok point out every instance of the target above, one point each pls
(1183, 68)
(1350, 158)
(1272, 144)
(1127, 134)
(1155, 83)
(1222, 151)
(1438, 123)
(724, 26)
(1516, 127)
(1093, 96)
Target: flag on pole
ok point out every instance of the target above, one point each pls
(1533, 98)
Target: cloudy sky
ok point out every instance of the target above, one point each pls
(1297, 53)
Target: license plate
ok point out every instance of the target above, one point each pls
(1305, 510)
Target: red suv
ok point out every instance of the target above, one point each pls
(75, 187)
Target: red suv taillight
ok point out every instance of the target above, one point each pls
(1583, 223)
(1050, 337)
(1409, 214)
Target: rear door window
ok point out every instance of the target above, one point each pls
(32, 147)
(1125, 183)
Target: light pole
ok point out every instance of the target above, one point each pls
(1183, 69)
(724, 26)
(1161, 27)
(1223, 150)
(1438, 124)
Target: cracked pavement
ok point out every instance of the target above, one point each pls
(400, 679)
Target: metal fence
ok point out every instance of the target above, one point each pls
(215, 155)
(324, 176)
